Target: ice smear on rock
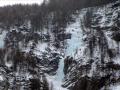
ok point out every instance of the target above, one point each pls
(2, 37)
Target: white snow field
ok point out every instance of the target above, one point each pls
(12, 2)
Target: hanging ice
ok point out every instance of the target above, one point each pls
(2, 37)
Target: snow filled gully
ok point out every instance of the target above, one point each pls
(73, 44)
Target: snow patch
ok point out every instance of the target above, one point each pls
(1, 78)
(112, 87)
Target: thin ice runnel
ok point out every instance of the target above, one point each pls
(55, 82)
(2, 37)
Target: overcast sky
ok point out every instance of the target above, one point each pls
(11, 2)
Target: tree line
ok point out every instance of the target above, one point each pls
(37, 14)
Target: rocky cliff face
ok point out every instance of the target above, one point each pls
(95, 63)
(75, 52)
